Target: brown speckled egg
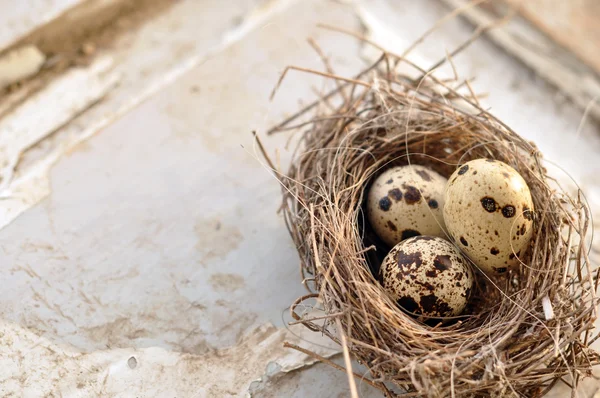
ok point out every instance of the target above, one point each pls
(488, 211)
(406, 201)
(427, 275)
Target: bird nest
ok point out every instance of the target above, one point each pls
(522, 333)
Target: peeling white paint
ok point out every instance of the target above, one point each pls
(151, 372)
(41, 115)
(142, 64)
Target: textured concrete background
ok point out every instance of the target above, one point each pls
(147, 258)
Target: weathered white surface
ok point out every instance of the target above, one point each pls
(173, 216)
(35, 367)
(160, 238)
(38, 131)
(35, 120)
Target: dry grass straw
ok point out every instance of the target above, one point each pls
(525, 332)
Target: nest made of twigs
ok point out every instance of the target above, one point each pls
(526, 330)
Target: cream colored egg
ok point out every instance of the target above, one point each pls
(406, 201)
(427, 275)
(488, 211)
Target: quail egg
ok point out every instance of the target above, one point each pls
(427, 275)
(489, 212)
(406, 201)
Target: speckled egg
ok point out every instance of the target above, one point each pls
(427, 275)
(489, 213)
(406, 201)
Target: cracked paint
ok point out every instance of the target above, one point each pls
(141, 64)
(151, 371)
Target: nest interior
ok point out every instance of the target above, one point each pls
(509, 344)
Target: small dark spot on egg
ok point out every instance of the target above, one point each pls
(523, 229)
(511, 256)
(464, 241)
(391, 226)
(442, 262)
(463, 169)
(496, 233)
(424, 175)
(411, 194)
(408, 303)
(390, 181)
(458, 276)
(385, 203)
(508, 211)
(500, 270)
(433, 203)
(505, 174)
(431, 273)
(494, 251)
(395, 194)
(475, 172)
(489, 204)
(409, 233)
